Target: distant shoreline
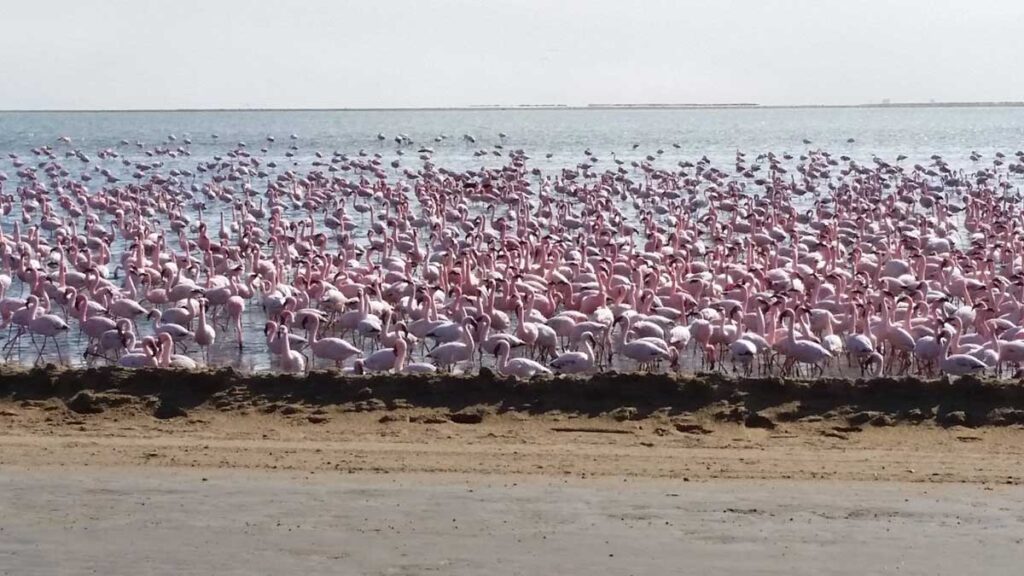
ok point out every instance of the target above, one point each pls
(650, 106)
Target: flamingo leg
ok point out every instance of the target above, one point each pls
(40, 349)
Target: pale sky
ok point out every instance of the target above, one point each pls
(131, 54)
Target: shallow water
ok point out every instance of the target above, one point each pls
(563, 134)
(916, 132)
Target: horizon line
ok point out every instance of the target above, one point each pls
(500, 107)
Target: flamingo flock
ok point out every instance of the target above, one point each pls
(786, 264)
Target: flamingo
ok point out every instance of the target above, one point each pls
(520, 368)
(111, 341)
(577, 362)
(743, 352)
(49, 326)
(235, 307)
(803, 351)
(395, 359)
(958, 364)
(685, 254)
(169, 360)
(334, 349)
(143, 358)
(447, 355)
(291, 360)
(645, 351)
(176, 331)
(275, 345)
(205, 335)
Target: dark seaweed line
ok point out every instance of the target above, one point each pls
(597, 394)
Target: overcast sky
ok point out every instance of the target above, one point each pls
(113, 54)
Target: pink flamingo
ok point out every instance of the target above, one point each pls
(49, 326)
(169, 360)
(205, 335)
(334, 349)
(234, 307)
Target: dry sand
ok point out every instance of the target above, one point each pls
(131, 521)
(296, 483)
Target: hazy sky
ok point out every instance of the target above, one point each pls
(87, 54)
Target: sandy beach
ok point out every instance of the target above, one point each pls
(137, 520)
(239, 482)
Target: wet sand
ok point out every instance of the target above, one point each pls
(141, 521)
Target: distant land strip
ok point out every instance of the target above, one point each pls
(603, 106)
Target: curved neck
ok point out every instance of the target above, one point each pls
(315, 331)
(588, 350)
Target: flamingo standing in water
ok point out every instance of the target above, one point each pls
(177, 332)
(143, 358)
(522, 368)
(447, 355)
(674, 255)
(645, 351)
(275, 345)
(394, 359)
(49, 326)
(958, 364)
(800, 351)
(167, 359)
(291, 360)
(334, 349)
(235, 307)
(577, 362)
(205, 335)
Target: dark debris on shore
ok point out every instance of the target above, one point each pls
(964, 401)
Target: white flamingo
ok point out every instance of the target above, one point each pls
(291, 360)
(577, 362)
(523, 368)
